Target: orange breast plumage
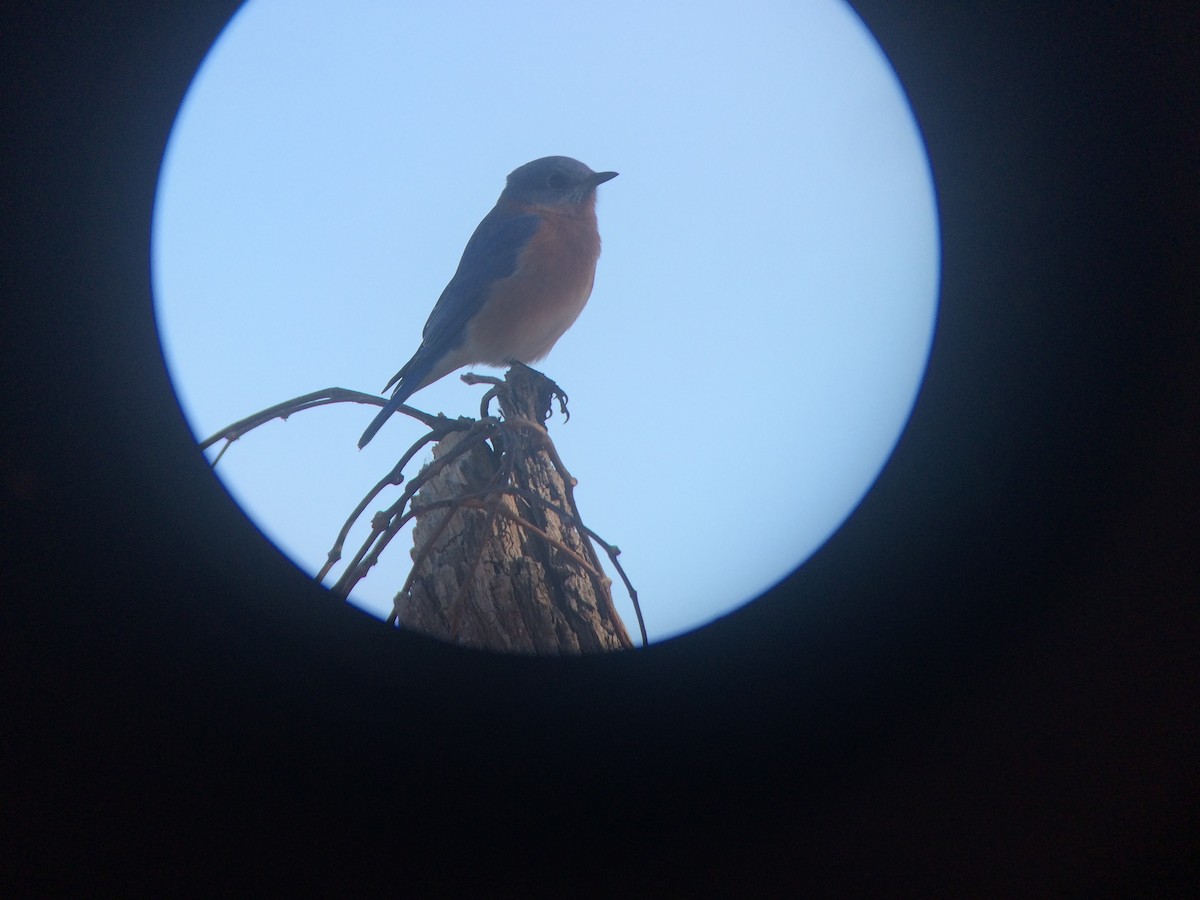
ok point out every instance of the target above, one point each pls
(528, 312)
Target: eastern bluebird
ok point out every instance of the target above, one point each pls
(522, 281)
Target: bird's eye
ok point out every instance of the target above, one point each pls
(556, 181)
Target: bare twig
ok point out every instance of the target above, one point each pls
(235, 430)
(485, 401)
(381, 535)
(394, 477)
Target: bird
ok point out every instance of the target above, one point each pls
(523, 279)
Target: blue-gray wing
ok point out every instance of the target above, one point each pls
(492, 253)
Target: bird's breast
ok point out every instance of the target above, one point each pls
(526, 313)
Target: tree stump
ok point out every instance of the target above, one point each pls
(502, 571)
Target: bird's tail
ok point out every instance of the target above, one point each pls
(408, 380)
(377, 422)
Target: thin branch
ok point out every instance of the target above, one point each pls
(394, 477)
(326, 397)
(486, 400)
(381, 537)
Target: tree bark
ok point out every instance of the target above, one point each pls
(505, 572)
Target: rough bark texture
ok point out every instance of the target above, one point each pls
(490, 582)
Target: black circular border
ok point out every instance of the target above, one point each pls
(981, 679)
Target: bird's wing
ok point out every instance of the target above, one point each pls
(492, 253)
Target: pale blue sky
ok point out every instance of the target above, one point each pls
(763, 307)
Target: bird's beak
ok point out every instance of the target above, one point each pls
(601, 177)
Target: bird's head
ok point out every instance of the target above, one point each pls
(553, 181)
